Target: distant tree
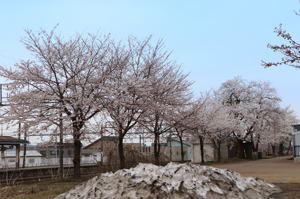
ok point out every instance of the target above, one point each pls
(222, 126)
(180, 121)
(249, 105)
(278, 129)
(202, 122)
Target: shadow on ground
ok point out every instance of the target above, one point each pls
(289, 191)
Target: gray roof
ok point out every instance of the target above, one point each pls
(8, 140)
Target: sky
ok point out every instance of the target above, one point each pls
(213, 41)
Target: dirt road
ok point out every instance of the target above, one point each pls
(281, 171)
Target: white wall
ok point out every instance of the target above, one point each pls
(208, 153)
(10, 162)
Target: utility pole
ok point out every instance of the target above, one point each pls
(61, 146)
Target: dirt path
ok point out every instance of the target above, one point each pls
(281, 171)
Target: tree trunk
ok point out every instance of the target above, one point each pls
(290, 148)
(255, 149)
(240, 151)
(121, 152)
(61, 148)
(181, 148)
(76, 158)
(248, 148)
(201, 148)
(281, 148)
(273, 149)
(156, 148)
(18, 148)
(219, 151)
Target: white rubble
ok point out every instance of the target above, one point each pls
(147, 181)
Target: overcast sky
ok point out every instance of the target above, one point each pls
(213, 40)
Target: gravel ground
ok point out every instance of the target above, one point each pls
(281, 171)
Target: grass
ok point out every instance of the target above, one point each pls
(46, 189)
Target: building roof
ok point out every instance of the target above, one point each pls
(89, 151)
(8, 140)
(54, 145)
(175, 140)
(29, 153)
(103, 138)
(296, 127)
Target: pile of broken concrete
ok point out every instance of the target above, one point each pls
(172, 181)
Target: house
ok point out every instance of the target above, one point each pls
(296, 142)
(91, 156)
(32, 159)
(172, 150)
(107, 146)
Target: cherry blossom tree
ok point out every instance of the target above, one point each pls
(69, 74)
(181, 122)
(290, 50)
(125, 99)
(169, 88)
(200, 122)
(278, 129)
(144, 85)
(250, 105)
(222, 126)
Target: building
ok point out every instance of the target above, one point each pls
(104, 144)
(172, 150)
(91, 156)
(50, 153)
(296, 142)
(32, 159)
(52, 150)
(8, 142)
(107, 146)
(210, 152)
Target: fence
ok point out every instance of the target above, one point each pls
(42, 162)
(13, 176)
